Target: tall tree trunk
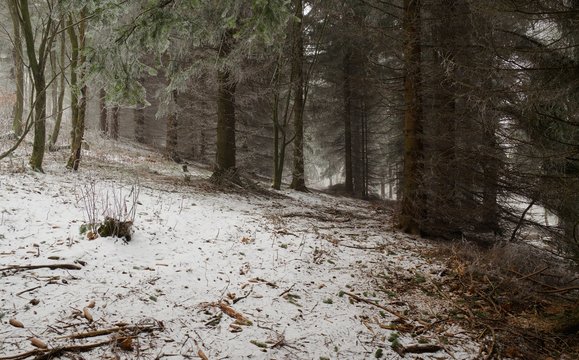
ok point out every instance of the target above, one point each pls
(172, 130)
(279, 129)
(78, 97)
(103, 123)
(61, 92)
(18, 110)
(365, 183)
(347, 93)
(225, 157)
(37, 67)
(355, 82)
(298, 173)
(413, 202)
(54, 86)
(277, 156)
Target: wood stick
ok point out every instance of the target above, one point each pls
(533, 280)
(554, 291)
(108, 331)
(51, 353)
(28, 290)
(370, 302)
(534, 273)
(49, 266)
(420, 348)
(228, 310)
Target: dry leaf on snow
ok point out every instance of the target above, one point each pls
(202, 355)
(16, 323)
(38, 343)
(125, 343)
(87, 315)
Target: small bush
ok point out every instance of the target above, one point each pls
(114, 205)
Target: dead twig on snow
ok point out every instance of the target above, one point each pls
(49, 266)
(45, 354)
(370, 302)
(95, 333)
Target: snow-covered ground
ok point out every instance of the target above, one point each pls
(292, 264)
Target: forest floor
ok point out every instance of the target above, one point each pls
(237, 273)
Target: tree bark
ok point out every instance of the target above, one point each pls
(18, 110)
(61, 92)
(490, 207)
(298, 173)
(37, 66)
(225, 157)
(279, 128)
(413, 204)
(139, 114)
(103, 123)
(114, 128)
(78, 103)
(172, 130)
(347, 93)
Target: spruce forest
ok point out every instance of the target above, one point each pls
(289, 179)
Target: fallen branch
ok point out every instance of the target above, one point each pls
(134, 328)
(284, 232)
(562, 290)
(287, 290)
(28, 290)
(359, 247)
(229, 311)
(45, 354)
(533, 280)
(417, 349)
(533, 273)
(370, 302)
(260, 280)
(49, 266)
(236, 300)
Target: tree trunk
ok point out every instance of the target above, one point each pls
(279, 130)
(61, 92)
(139, 114)
(78, 103)
(103, 123)
(277, 156)
(18, 110)
(413, 202)
(490, 207)
(225, 157)
(202, 145)
(54, 86)
(37, 66)
(355, 114)
(172, 130)
(298, 174)
(114, 128)
(347, 93)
